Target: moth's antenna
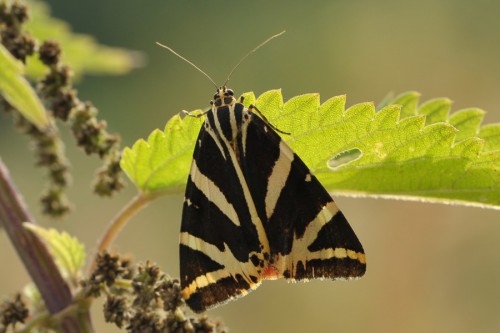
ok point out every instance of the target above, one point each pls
(255, 49)
(189, 62)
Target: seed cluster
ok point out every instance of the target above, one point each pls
(12, 311)
(142, 299)
(61, 98)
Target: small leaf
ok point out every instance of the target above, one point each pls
(68, 252)
(18, 92)
(34, 298)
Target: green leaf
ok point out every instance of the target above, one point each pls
(435, 110)
(467, 123)
(162, 162)
(491, 135)
(82, 52)
(408, 102)
(18, 92)
(403, 150)
(67, 251)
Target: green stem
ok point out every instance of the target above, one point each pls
(36, 322)
(80, 318)
(79, 312)
(119, 221)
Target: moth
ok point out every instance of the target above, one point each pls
(254, 211)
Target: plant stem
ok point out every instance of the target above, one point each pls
(37, 259)
(118, 223)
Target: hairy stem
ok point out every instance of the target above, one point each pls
(36, 258)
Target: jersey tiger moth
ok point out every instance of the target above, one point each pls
(254, 211)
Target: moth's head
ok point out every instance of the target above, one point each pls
(224, 96)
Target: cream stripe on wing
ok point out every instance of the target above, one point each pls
(246, 191)
(244, 131)
(212, 191)
(300, 252)
(277, 179)
(250, 204)
(232, 266)
(232, 120)
(214, 136)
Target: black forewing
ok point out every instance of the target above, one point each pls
(301, 199)
(204, 220)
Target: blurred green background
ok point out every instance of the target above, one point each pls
(431, 268)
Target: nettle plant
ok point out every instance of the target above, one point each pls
(401, 148)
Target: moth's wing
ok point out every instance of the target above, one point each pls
(217, 234)
(308, 236)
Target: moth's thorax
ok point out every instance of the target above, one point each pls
(222, 97)
(228, 118)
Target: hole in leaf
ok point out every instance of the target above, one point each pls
(345, 157)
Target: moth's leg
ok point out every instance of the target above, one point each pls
(196, 115)
(253, 107)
